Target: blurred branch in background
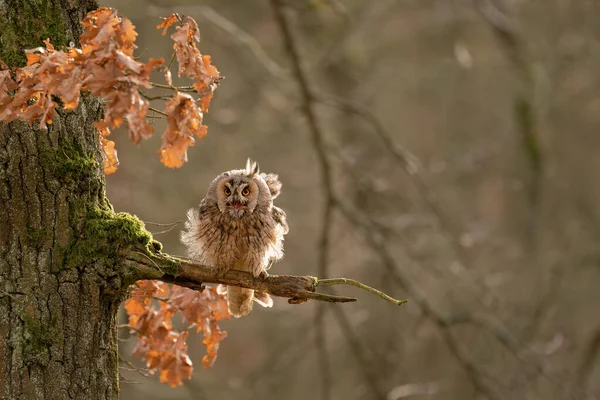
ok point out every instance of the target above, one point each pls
(410, 165)
(589, 362)
(375, 239)
(480, 379)
(281, 356)
(497, 14)
(243, 38)
(514, 43)
(326, 172)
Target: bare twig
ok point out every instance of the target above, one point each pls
(345, 281)
(162, 224)
(157, 111)
(141, 371)
(150, 98)
(171, 226)
(174, 88)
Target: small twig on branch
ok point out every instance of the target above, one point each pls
(297, 289)
(161, 224)
(346, 281)
(175, 88)
(150, 98)
(171, 60)
(157, 111)
(141, 371)
(171, 226)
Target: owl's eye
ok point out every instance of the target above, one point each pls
(246, 191)
(227, 191)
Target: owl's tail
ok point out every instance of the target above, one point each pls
(239, 301)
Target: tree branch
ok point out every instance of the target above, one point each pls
(297, 289)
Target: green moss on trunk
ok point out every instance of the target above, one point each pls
(30, 23)
(106, 232)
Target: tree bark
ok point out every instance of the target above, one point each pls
(57, 310)
(59, 291)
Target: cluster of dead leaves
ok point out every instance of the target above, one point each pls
(105, 67)
(162, 346)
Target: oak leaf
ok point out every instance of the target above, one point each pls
(166, 23)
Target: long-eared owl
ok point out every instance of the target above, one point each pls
(236, 226)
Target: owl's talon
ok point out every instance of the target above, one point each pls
(263, 275)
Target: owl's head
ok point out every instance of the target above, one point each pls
(239, 192)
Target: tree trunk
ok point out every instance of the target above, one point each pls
(60, 285)
(57, 312)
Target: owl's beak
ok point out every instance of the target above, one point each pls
(236, 205)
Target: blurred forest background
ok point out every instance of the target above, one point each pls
(462, 141)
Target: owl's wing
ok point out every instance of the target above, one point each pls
(274, 184)
(193, 237)
(202, 207)
(281, 219)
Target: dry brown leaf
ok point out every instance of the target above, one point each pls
(105, 66)
(205, 101)
(139, 128)
(213, 336)
(164, 348)
(166, 23)
(184, 121)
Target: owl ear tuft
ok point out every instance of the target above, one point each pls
(274, 184)
(252, 167)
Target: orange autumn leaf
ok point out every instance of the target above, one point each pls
(213, 336)
(166, 23)
(205, 101)
(32, 58)
(126, 36)
(209, 69)
(139, 128)
(107, 148)
(184, 121)
(111, 162)
(49, 46)
(104, 66)
(163, 347)
(174, 154)
(134, 307)
(7, 85)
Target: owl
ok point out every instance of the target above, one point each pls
(236, 226)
